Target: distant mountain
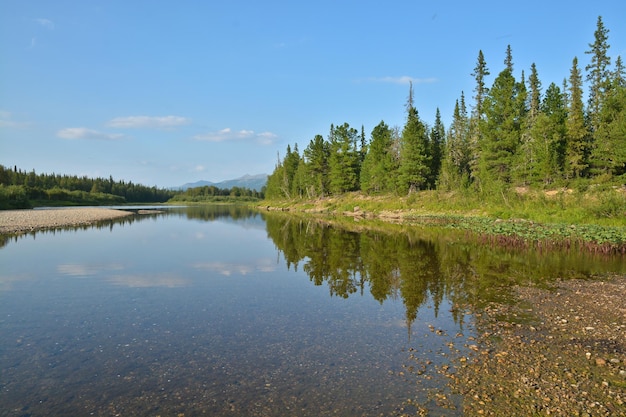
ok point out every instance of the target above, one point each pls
(252, 182)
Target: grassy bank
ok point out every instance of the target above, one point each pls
(594, 219)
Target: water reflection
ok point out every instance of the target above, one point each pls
(222, 310)
(421, 264)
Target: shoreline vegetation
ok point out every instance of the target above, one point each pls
(522, 218)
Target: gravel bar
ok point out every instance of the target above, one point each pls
(23, 221)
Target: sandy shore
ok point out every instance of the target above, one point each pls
(20, 221)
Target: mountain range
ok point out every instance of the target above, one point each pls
(252, 182)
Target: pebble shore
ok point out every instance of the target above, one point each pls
(24, 221)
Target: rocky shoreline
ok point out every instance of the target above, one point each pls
(558, 352)
(24, 221)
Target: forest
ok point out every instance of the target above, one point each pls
(514, 134)
(21, 189)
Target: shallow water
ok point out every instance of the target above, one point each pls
(224, 311)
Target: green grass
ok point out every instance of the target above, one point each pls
(592, 218)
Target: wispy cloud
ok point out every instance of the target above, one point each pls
(82, 133)
(6, 120)
(227, 134)
(151, 122)
(81, 270)
(228, 269)
(148, 280)
(403, 79)
(46, 23)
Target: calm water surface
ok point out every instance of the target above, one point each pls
(222, 311)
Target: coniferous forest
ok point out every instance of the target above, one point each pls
(514, 133)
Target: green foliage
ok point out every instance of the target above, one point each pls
(513, 138)
(414, 169)
(14, 197)
(378, 164)
(54, 189)
(344, 161)
(211, 193)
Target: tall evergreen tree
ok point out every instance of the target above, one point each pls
(480, 73)
(598, 73)
(609, 153)
(501, 130)
(548, 134)
(436, 147)
(316, 155)
(535, 92)
(455, 168)
(377, 170)
(414, 169)
(577, 157)
(477, 117)
(344, 160)
(619, 74)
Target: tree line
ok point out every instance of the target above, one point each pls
(213, 193)
(19, 188)
(514, 134)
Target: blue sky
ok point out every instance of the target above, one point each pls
(168, 92)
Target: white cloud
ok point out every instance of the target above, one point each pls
(148, 121)
(229, 269)
(404, 79)
(6, 120)
(148, 280)
(47, 23)
(227, 134)
(78, 133)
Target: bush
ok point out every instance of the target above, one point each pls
(14, 197)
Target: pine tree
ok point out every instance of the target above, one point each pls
(316, 155)
(609, 153)
(619, 74)
(344, 164)
(479, 74)
(377, 170)
(501, 130)
(455, 167)
(598, 73)
(548, 133)
(414, 169)
(436, 147)
(577, 157)
(535, 92)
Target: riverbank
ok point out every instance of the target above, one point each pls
(556, 352)
(586, 222)
(24, 221)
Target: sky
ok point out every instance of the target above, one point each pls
(163, 92)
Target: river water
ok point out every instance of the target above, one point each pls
(223, 311)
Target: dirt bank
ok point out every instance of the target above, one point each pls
(21, 221)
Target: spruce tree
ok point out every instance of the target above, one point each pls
(316, 155)
(414, 169)
(598, 73)
(476, 120)
(377, 170)
(455, 167)
(501, 131)
(436, 147)
(548, 133)
(481, 90)
(344, 162)
(577, 156)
